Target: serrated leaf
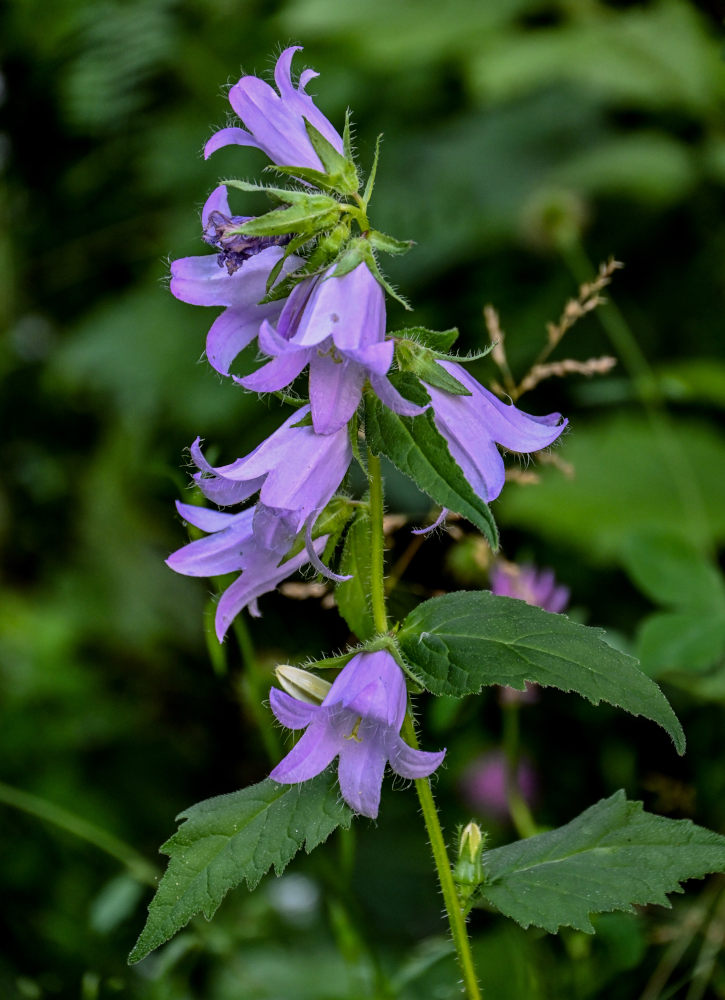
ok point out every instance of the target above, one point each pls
(613, 856)
(353, 596)
(419, 451)
(460, 642)
(234, 838)
(436, 340)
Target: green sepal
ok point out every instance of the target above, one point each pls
(373, 172)
(461, 642)
(237, 838)
(353, 596)
(331, 521)
(614, 856)
(327, 182)
(314, 214)
(359, 251)
(416, 447)
(292, 247)
(347, 136)
(331, 662)
(388, 244)
(437, 340)
(305, 421)
(285, 196)
(335, 164)
(420, 360)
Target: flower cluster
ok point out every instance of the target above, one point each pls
(306, 289)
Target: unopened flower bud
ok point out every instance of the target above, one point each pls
(468, 872)
(301, 684)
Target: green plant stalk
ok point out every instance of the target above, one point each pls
(456, 918)
(519, 810)
(136, 864)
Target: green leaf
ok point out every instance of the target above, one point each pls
(690, 641)
(418, 450)
(347, 136)
(327, 182)
(314, 214)
(359, 250)
(671, 570)
(353, 596)
(373, 172)
(612, 857)
(413, 357)
(460, 642)
(234, 838)
(437, 340)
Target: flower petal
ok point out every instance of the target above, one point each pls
(318, 747)
(335, 392)
(228, 335)
(276, 374)
(218, 201)
(202, 517)
(389, 395)
(361, 769)
(234, 136)
(289, 711)
(410, 763)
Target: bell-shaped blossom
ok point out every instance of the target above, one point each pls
(473, 426)
(359, 721)
(337, 326)
(275, 122)
(295, 470)
(232, 546)
(535, 586)
(235, 278)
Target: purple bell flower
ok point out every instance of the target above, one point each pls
(337, 326)
(359, 721)
(473, 426)
(232, 546)
(235, 278)
(276, 121)
(296, 472)
(535, 586)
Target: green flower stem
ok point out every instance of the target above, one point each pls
(456, 918)
(519, 810)
(136, 864)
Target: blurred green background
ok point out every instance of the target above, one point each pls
(524, 141)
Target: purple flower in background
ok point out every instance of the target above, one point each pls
(276, 121)
(337, 326)
(473, 426)
(535, 586)
(483, 784)
(231, 546)
(359, 721)
(235, 278)
(296, 472)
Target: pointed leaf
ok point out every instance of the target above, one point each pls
(419, 451)
(334, 163)
(388, 244)
(413, 357)
(460, 642)
(347, 136)
(373, 171)
(688, 641)
(612, 857)
(234, 838)
(353, 596)
(671, 570)
(316, 213)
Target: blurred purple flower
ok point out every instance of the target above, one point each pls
(232, 546)
(295, 470)
(276, 121)
(535, 586)
(483, 784)
(235, 278)
(337, 326)
(359, 721)
(473, 426)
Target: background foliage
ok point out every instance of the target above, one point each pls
(521, 138)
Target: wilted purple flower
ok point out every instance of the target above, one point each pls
(483, 784)
(276, 122)
(535, 586)
(295, 470)
(232, 546)
(235, 278)
(359, 721)
(473, 426)
(337, 326)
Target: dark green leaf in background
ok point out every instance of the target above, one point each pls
(460, 642)
(612, 857)
(234, 838)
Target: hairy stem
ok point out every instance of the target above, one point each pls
(456, 918)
